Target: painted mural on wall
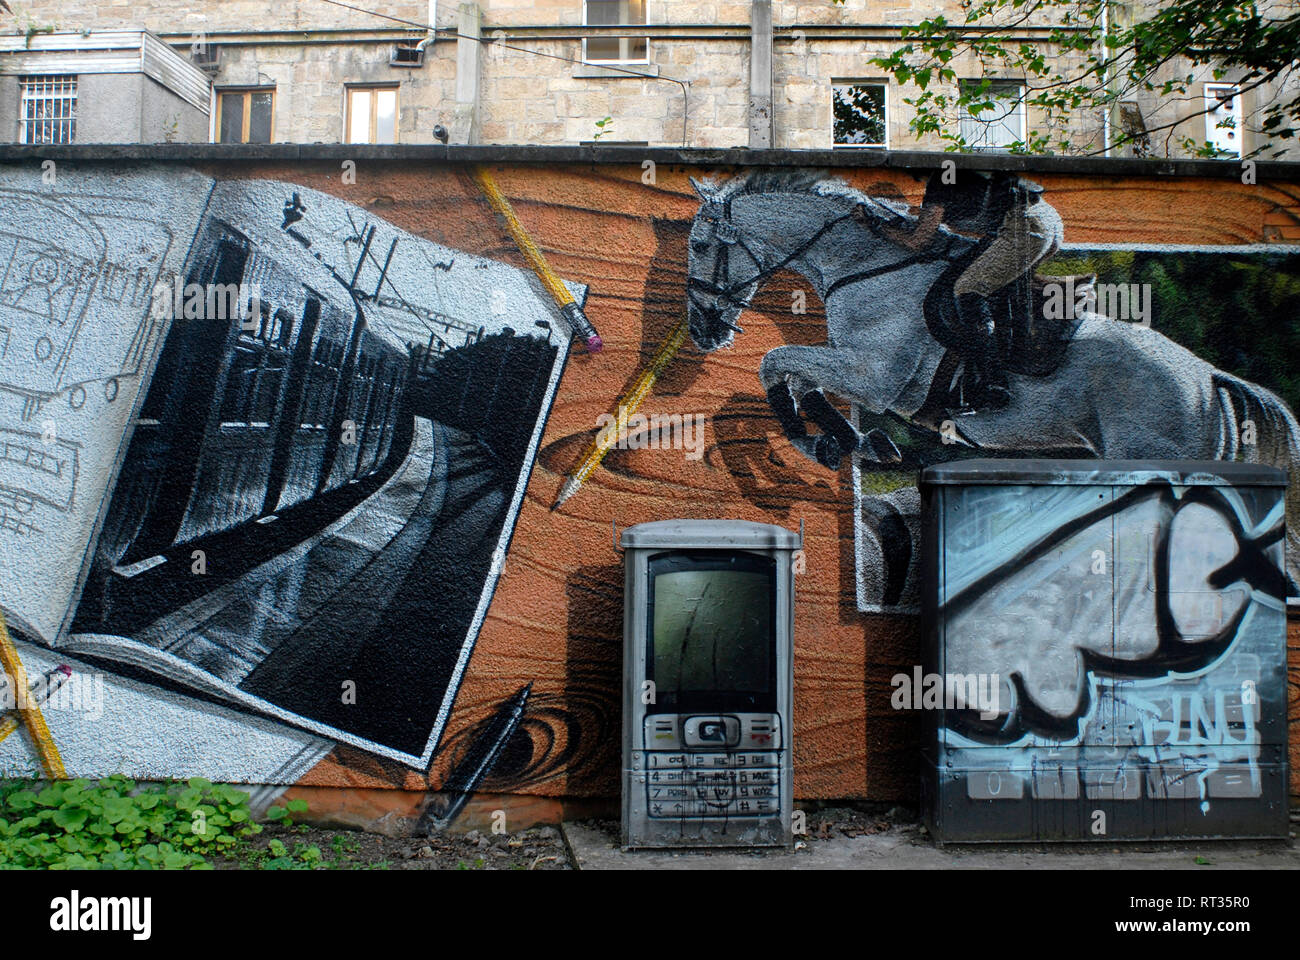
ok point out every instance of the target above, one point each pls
(1134, 629)
(946, 341)
(333, 422)
(360, 534)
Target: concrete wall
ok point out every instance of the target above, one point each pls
(133, 108)
(310, 51)
(117, 108)
(167, 118)
(10, 108)
(339, 631)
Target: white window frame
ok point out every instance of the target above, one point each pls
(1020, 112)
(1212, 128)
(883, 85)
(372, 89)
(53, 87)
(623, 42)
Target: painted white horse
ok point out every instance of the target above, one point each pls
(1121, 391)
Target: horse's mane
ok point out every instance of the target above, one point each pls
(815, 182)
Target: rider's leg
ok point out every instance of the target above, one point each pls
(989, 382)
(1024, 240)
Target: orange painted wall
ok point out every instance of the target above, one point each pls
(556, 619)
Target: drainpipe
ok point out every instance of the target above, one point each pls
(1105, 117)
(433, 26)
(760, 75)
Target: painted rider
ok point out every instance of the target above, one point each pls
(1024, 230)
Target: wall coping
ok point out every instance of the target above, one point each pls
(596, 154)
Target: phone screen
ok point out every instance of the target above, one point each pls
(712, 633)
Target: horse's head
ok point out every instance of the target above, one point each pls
(722, 271)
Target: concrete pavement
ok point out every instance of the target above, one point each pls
(594, 846)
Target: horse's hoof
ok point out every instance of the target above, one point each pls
(822, 448)
(829, 452)
(877, 446)
(807, 445)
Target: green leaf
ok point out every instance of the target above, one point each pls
(71, 818)
(116, 809)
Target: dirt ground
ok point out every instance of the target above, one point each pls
(538, 848)
(306, 847)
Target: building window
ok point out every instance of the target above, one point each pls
(998, 125)
(49, 110)
(1223, 118)
(615, 13)
(244, 116)
(372, 115)
(860, 114)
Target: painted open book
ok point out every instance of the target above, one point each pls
(261, 445)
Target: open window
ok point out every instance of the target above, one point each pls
(1223, 118)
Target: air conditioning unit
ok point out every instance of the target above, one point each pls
(407, 53)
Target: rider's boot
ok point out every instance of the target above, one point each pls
(985, 385)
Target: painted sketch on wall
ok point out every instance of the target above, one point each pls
(1134, 628)
(333, 424)
(964, 330)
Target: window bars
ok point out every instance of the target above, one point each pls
(49, 108)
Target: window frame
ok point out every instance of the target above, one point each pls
(372, 89)
(1238, 106)
(56, 80)
(883, 85)
(622, 40)
(1021, 113)
(246, 120)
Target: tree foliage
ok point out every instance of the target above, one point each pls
(1081, 58)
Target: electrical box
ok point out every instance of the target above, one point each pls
(1105, 650)
(708, 631)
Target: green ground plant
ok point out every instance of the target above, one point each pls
(116, 823)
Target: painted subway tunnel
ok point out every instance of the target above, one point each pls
(402, 618)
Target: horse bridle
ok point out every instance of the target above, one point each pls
(721, 287)
(726, 233)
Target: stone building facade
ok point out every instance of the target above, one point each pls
(709, 74)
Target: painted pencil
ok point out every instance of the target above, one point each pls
(569, 309)
(626, 406)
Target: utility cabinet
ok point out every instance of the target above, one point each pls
(1105, 650)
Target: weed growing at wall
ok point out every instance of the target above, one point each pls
(117, 824)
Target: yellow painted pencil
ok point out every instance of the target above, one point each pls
(31, 715)
(569, 308)
(41, 692)
(627, 405)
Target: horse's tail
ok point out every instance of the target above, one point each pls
(1251, 413)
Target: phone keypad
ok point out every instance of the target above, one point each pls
(713, 785)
